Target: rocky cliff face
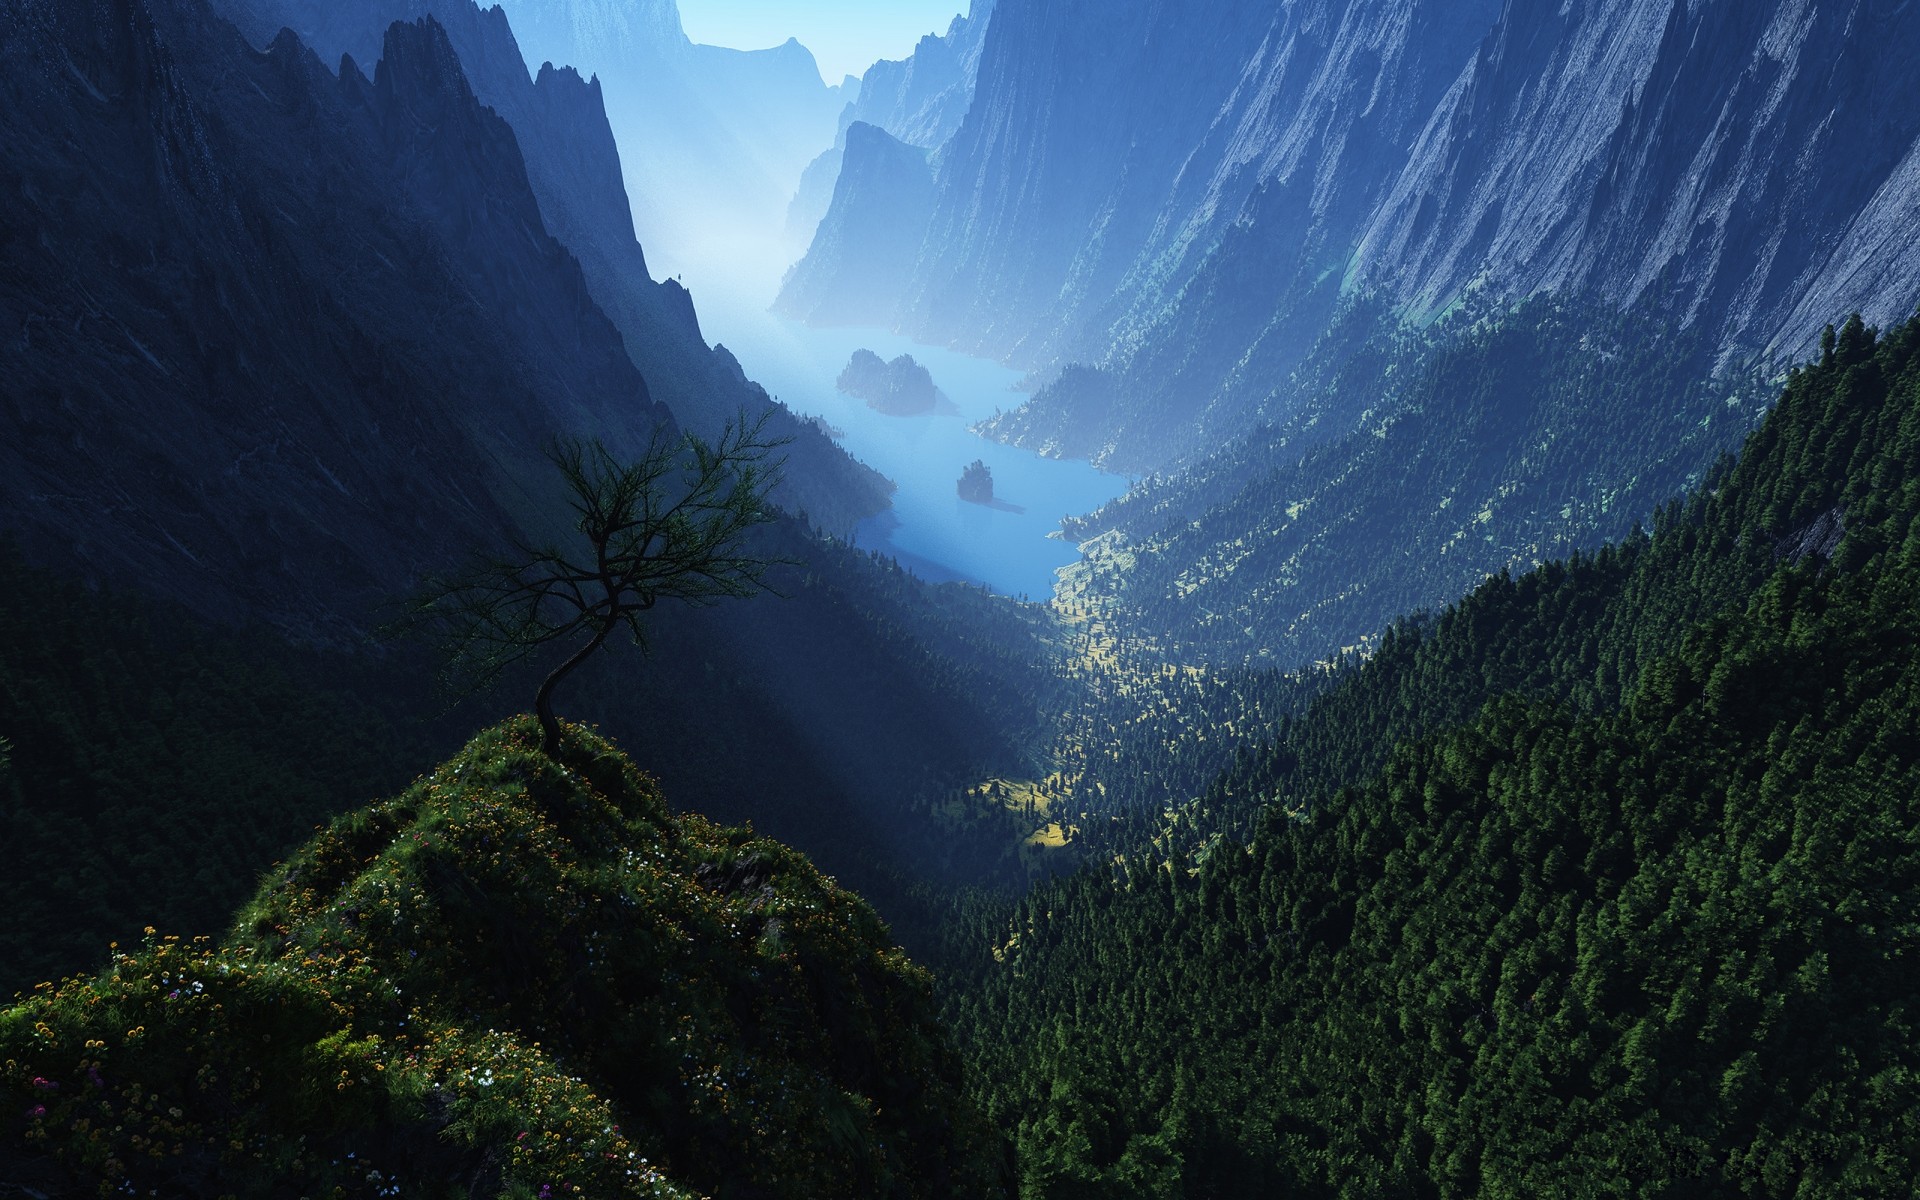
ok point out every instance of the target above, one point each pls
(460, 165)
(1182, 193)
(246, 373)
(920, 100)
(1714, 157)
(862, 261)
(574, 169)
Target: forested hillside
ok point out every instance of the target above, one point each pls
(1603, 879)
(1399, 468)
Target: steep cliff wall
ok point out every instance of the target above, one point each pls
(249, 375)
(862, 259)
(920, 100)
(575, 170)
(1182, 193)
(1710, 156)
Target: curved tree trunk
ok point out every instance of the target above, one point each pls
(543, 699)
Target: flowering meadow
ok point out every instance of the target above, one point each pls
(524, 978)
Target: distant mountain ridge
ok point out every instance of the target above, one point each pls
(1183, 193)
(919, 100)
(575, 171)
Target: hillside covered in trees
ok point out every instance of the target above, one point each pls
(1605, 874)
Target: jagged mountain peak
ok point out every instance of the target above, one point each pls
(418, 60)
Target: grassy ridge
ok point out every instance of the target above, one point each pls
(520, 977)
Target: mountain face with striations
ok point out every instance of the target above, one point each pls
(574, 168)
(1183, 194)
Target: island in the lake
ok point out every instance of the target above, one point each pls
(976, 483)
(901, 388)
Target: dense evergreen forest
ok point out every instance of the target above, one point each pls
(1602, 881)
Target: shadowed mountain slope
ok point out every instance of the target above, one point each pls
(574, 169)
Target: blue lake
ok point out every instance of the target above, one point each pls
(930, 529)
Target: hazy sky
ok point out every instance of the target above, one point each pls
(846, 36)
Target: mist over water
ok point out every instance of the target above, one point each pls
(930, 529)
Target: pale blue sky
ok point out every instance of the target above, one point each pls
(846, 36)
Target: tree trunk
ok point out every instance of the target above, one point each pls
(543, 699)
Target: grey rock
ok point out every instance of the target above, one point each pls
(862, 257)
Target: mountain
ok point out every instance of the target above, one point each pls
(1184, 198)
(1604, 873)
(291, 342)
(713, 140)
(919, 100)
(521, 974)
(460, 165)
(574, 168)
(883, 201)
(254, 375)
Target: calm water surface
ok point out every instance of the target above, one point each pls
(930, 529)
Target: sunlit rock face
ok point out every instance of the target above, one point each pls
(1729, 159)
(1184, 194)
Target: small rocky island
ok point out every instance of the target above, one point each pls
(976, 483)
(901, 388)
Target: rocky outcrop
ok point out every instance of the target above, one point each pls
(976, 483)
(862, 258)
(476, 985)
(901, 388)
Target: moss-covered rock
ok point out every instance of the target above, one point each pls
(521, 977)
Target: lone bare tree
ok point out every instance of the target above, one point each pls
(671, 525)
